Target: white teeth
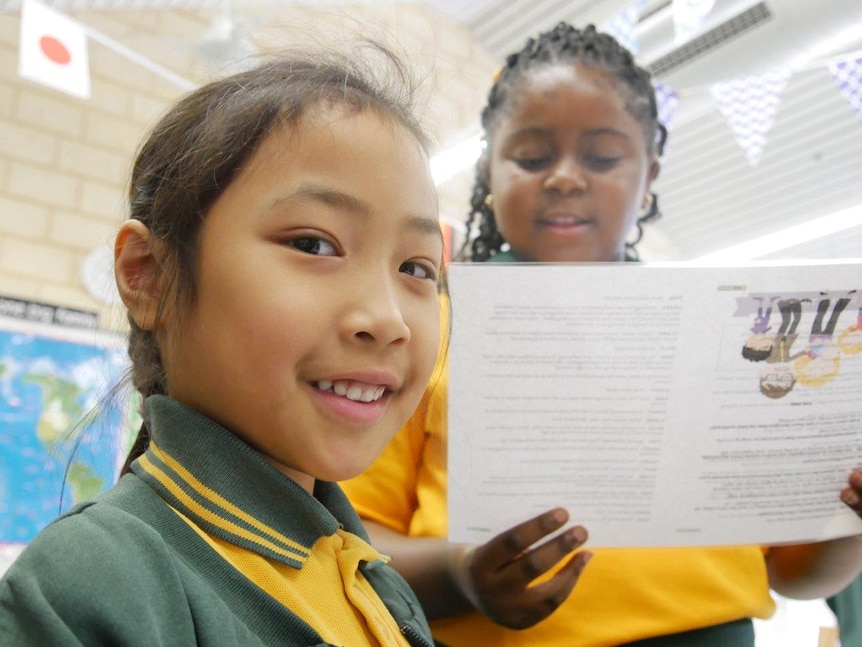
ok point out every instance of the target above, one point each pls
(352, 391)
(372, 394)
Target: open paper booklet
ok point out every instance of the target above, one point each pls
(661, 405)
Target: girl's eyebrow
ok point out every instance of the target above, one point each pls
(327, 196)
(425, 225)
(541, 131)
(347, 202)
(606, 131)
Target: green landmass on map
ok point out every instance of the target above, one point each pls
(60, 414)
(60, 408)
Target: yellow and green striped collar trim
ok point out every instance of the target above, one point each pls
(215, 513)
(230, 491)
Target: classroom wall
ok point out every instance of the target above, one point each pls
(64, 161)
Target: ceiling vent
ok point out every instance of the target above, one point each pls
(739, 24)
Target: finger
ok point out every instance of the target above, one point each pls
(529, 565)
(506, 546)
(545, 598)
(851, 498)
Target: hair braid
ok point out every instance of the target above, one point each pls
(148, 378)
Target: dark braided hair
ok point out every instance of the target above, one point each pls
(562, 44)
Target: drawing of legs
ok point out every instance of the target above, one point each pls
(822, 309)
(821, 362)
(759, 344)
(761, 319)
(791, 313)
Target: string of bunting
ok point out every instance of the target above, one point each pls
(53, 52)
(748, 104)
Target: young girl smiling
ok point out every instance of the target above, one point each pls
(280, 268)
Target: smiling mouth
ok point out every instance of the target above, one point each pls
(563, 221)
(351, 390)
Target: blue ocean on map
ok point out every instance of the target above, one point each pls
(48, 459)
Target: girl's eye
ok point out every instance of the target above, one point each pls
(599, 163)
(312, 245)
(533, 163)
(419, 270)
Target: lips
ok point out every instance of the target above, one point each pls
(563, 220)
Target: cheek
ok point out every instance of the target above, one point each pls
(513, 207)
(426, 340)
(634, 186)
(509, 183)
(624, 197)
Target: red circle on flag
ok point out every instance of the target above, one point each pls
(54, 50)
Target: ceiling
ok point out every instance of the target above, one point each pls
(711, 196)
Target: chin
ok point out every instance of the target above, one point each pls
(343, 472)
(347, 462)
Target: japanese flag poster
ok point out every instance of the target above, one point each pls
(53, 50)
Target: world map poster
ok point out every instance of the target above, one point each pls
(61, 440)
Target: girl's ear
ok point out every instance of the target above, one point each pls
(654, 168)
(138, 272)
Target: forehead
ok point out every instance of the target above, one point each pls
(361, 153)
(570, 92)
(338, 140)
(332, 120)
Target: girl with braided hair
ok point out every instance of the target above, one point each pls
(572, 143)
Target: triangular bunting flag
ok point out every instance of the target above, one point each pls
(749, 105)
(53, 50)
(667, 101)
(848, 75)
(688, 18)
(623, 26)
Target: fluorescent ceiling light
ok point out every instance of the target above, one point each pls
(789, 237)
(836, 42)
(452, 161)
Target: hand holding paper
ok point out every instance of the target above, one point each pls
(496, 576)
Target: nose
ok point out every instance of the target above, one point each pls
(566, 177)
(376, 313)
